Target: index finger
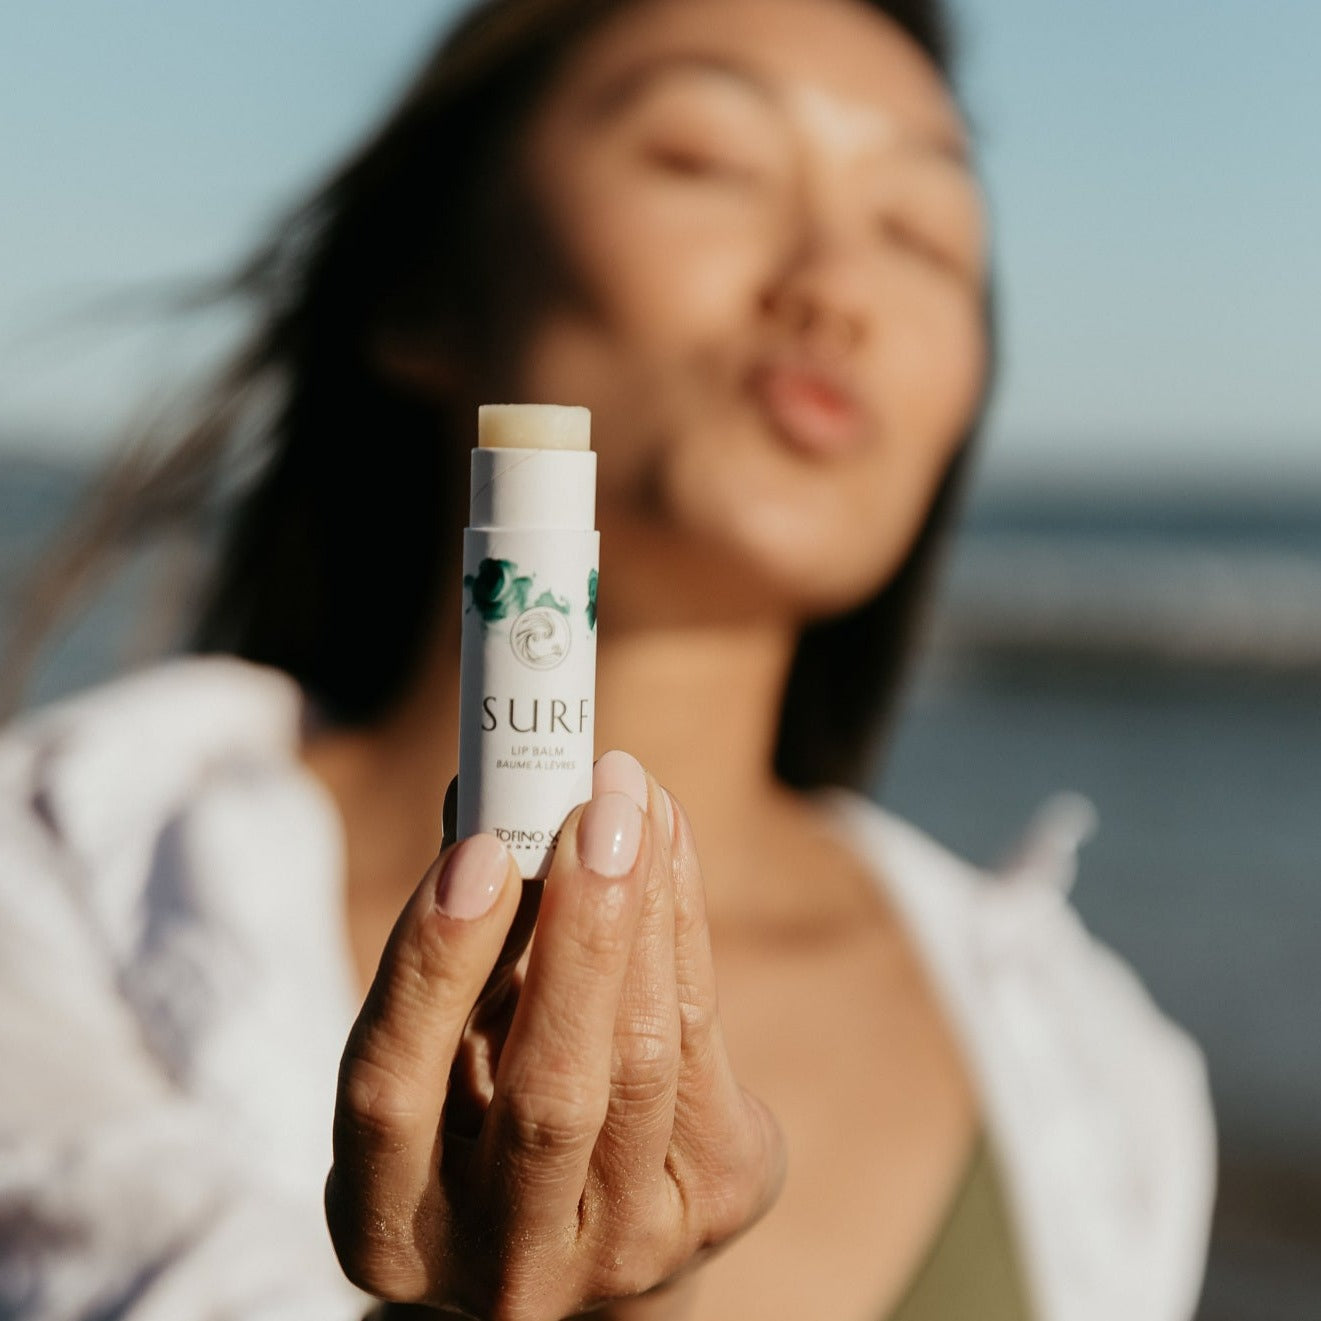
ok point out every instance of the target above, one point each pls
(394, 1076)
(493, 994)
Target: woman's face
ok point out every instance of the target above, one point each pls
(768, 286)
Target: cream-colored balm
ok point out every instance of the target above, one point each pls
(527, 678)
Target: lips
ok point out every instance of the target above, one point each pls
(809, 407)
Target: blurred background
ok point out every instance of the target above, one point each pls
(1134, 606)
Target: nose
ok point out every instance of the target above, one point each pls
(819, 295)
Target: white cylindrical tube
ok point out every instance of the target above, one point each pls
(527, 678)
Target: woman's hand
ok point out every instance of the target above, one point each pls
(581, 1137)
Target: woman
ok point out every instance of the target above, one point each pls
(745, 233)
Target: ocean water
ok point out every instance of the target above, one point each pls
(1162, 657)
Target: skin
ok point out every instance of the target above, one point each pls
(691, 1048)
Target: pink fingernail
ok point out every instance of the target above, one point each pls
(617, 772)
(609, 834)
(474, 875)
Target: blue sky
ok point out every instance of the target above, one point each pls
(1153, 168)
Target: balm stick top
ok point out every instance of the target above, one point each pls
(534, 427)
(533, 467)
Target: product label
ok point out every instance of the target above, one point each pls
(527, 686)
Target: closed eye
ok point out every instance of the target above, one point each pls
(695, 163)
(915, 241)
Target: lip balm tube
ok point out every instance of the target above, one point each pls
(527, 676)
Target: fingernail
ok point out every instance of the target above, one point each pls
(671, 814)
(474, 875)
(617, 772)
(609, 834)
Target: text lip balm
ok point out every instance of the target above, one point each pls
(527, 674)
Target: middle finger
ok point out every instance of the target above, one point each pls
(552, 1085)
(629, 1163)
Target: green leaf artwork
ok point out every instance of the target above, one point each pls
(591, 600)
(553, 601)
(498, 590)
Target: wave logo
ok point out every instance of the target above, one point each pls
(540, 638)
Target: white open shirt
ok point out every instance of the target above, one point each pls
(176, 989)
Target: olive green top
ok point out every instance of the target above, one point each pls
(971, 1269)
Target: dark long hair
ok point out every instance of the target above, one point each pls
(335, 558)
